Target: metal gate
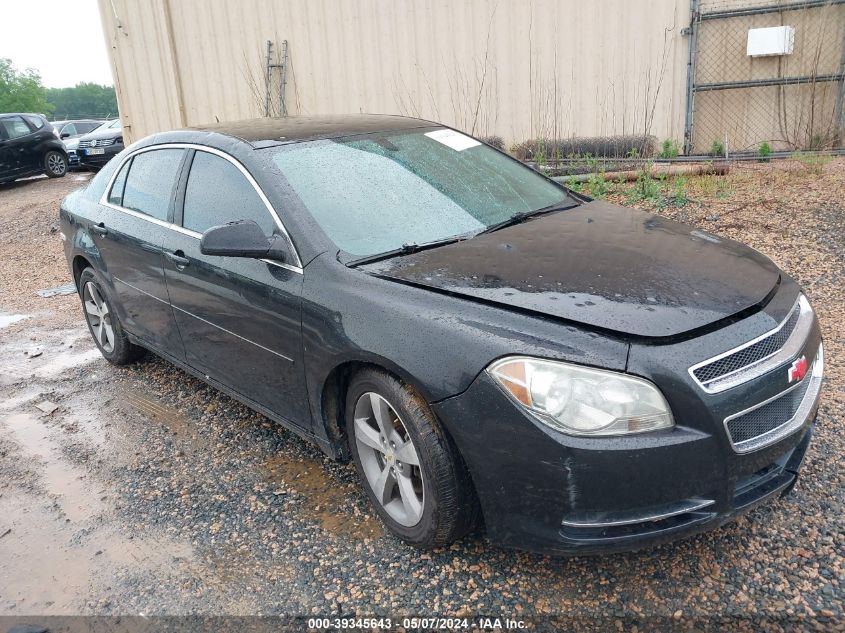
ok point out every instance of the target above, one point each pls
(792, 101)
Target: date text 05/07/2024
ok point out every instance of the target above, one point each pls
(424, 623)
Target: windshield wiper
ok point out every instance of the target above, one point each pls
(406, 249)
(524, 215)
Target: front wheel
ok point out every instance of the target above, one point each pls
(55, 164)
(103, 323)
(413, 474)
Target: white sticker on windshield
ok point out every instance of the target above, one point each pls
(450, 138)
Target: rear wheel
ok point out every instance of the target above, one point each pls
(413, 475)
(55, 164)
(103, 322)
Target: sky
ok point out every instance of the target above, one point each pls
(61, 39)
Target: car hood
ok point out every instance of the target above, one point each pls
(103, 134)
(601, 265)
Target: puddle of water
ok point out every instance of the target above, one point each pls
(59, 477)
(7, 319)
(328, 499)
(46, 569)
(48, 364)
(57, 291)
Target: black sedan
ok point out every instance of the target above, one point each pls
(486, 345)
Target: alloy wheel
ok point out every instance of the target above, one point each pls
(99, 316)
(56, 164)
(389, 459)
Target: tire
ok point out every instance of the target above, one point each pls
(55, 164)
(103, 322)
(440, 483)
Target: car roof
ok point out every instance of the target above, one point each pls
(266, 131)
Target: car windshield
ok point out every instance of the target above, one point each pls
(376, 193)
(108, 125)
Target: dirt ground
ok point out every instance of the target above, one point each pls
(147, 492)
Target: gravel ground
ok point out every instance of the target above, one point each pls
(148, 492)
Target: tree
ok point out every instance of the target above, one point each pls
(21, 91)
(83, 100)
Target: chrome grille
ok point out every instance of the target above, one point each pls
(777, 417)
(101, 142)
(758, 356)
(751, 354)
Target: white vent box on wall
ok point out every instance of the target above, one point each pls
(775, 40)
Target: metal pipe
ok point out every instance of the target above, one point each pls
(693, 43)
(774, 8)
(773, 81)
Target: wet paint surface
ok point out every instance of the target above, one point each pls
(601, 265)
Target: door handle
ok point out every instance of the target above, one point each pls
(178, 258)
(100, 229)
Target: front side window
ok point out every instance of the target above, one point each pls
(217, 193)
(15, 127)
(151, 183)
(375, 193)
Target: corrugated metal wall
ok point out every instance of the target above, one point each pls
(517, 69)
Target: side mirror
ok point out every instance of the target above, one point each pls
(243, 238)
(65, 134)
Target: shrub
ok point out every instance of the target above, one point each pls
(495, 141)
(764, 152)
(717, 148)
(669, 149)
(602, 146)
(597, 186)
(678, 195)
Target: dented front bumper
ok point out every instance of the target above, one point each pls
(545, 491)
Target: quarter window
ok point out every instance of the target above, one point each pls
(151, 182)
(116, 193)
(36, 122)
(15, 127)
(217, 193)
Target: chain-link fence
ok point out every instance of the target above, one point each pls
(792, 101)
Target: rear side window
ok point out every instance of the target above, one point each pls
(151, 182)
(217, 193)
(15, 127)
(36, 122)
(116, 193)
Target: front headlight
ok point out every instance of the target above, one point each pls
(582, 401)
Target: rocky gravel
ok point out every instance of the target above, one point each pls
(149, 492)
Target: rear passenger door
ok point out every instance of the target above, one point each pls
(136, 215)
(239, 317)
(16, 143)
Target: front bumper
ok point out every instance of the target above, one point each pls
(545, 491)
(98, 160)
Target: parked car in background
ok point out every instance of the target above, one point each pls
(29, 146)
(69, 132)
(97, 148)
(472, 334)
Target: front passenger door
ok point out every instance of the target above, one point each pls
(239, 317)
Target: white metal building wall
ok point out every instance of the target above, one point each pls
(515, 68)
